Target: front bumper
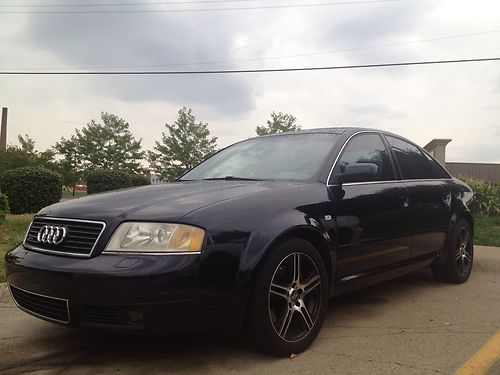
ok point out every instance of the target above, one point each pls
(156, 294)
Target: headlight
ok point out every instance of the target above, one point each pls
(155, 238)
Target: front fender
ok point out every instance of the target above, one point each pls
(462, 202)
(273, 230)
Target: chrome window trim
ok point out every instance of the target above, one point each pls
(375, 182)
(392, 181)
(342, 149)
(31, 247)
(41, 295)
(425, 179)
(370, 182)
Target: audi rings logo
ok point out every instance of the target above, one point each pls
(52, 234)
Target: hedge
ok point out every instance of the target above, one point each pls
(139, 180)
(487, 196)
(4, 207)
(101, 180)
(29, 189)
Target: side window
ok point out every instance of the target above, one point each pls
(413, 163)
(366, 148)
(437, 169)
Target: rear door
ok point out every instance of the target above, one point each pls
(373, 220)
(430, 198)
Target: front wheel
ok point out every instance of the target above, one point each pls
(458, 264)
(289, 300)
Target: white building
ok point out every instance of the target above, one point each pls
(156, 179)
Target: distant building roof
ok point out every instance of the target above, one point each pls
(437, 148)
(435, 143)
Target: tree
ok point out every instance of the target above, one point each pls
(70, 176)
(185, 144)
(25, 155)
(27, 144)
(106, 145)
(70, 166)
(279, 123)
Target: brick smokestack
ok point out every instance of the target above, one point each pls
(3, 131)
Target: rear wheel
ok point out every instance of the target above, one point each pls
(289, 300)
(458, 264)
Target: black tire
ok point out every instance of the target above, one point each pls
(460, 255)
(286, 311)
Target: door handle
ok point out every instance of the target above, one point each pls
(404, 201)
(446, 197)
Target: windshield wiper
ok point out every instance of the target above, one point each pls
(231, 178)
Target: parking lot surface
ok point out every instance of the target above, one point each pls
(411, 325)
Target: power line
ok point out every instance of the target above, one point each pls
(385, 45)
(280, 56)
(125, 4)
(351, 2)
(241, 71)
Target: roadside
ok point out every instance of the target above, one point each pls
(11, 234)
(411, 325)
(68, 195)
(487, 230)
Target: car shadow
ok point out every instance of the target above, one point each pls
(383, 292)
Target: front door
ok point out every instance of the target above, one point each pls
(373, 220)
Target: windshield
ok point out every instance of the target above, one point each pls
(290, 157)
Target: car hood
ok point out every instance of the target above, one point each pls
(158, 202)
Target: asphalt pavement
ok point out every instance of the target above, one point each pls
(410, 325)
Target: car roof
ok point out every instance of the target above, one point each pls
(347, 130)
(331, 130)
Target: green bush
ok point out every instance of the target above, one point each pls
(29, 189)
(101, 180)
(487, 196)
(139, 180)
(4, 207)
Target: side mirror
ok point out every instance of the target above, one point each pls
(359, 172)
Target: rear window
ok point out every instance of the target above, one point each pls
(437, 169)
(413, 163)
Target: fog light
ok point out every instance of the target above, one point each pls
(135, 316)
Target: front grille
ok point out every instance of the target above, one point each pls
(109, 315)
(80, 238)
(50, 308)
(100, 314)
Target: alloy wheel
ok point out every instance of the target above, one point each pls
(463, 252)
(295, 297)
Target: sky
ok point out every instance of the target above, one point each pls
(460, 101)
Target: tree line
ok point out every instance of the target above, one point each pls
(109, 144)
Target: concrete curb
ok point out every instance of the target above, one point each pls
(4, 293)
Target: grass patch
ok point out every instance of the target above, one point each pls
(69, 194)
(487, 230)
(11, 234)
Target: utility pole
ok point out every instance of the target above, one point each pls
(3, 130)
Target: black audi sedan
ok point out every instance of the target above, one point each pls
(252, 241)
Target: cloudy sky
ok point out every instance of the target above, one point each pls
(460, 101)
